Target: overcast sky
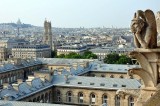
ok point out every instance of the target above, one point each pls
(74, 13)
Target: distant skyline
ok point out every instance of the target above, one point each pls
(75, 13)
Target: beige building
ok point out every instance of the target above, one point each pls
(104, 51)
(66, 87)
(71, 90)
(31, 51)
(3, 53)
(79, 49)
(20, 69)
(79, 90)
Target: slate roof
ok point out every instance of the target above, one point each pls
(20, 103)
(95, 82)
(24, 89)
(24, 63)
(61, 61)
(119, 68)
(110, 49)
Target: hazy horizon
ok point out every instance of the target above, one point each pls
(74, 13)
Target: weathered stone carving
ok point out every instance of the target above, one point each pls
(129, 92)
(144, 28)
(147, 53)
(158, 21)
(148, 73)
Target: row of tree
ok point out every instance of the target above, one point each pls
(112, 58)
(73, 55)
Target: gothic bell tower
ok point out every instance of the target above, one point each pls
(47, 33)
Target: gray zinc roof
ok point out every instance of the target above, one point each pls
(61, 61)
(95, 82)
(119, 68)
(20, 103)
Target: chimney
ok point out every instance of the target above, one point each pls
(31, 77)
(75, 65)
(17, 61)
(66, 78)
(68, 68)
(86, 64)
(43, 76)
(82, 64)
(6, 97)
(19, 81)
(29, 81)
(15, 86)
(5, 85)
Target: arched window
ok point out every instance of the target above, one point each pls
(38, 99)
(130, 101)
(117, 100)
(34, 100)
(102, 75)
(58, 96)
(80, 97)
(112, 76)
(121, 76)
(46, 98)
(42, 98)
(105, 99)
(1, 81)
(92, 98)
(131, 77)
(69, 96)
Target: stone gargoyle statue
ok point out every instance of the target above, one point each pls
(144, 28)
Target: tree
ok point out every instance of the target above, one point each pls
(73, 55)
(116, 59)
(124, 60)
(61, 56)
(53, 54)
(111, 58)
(88, 54)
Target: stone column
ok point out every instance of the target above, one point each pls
(149, 60)
(112, 101)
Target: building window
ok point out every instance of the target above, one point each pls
(117, 100)
(112, 76)
(69, 96)
(58, 96)
(92, 98)
(105, 99)
(121, 76)
(102, 75)
(80, 97)
(1, 81)
(130, 101)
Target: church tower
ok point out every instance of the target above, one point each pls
(47, 33)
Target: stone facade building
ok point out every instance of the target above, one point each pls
(3, 53)
(23, 82)
(79, 49)
(31, 51)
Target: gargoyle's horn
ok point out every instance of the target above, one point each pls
(135, 15)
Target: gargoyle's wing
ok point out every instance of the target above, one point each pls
(158, 22)
(150, 19)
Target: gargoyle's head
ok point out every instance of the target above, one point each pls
(137, 24)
